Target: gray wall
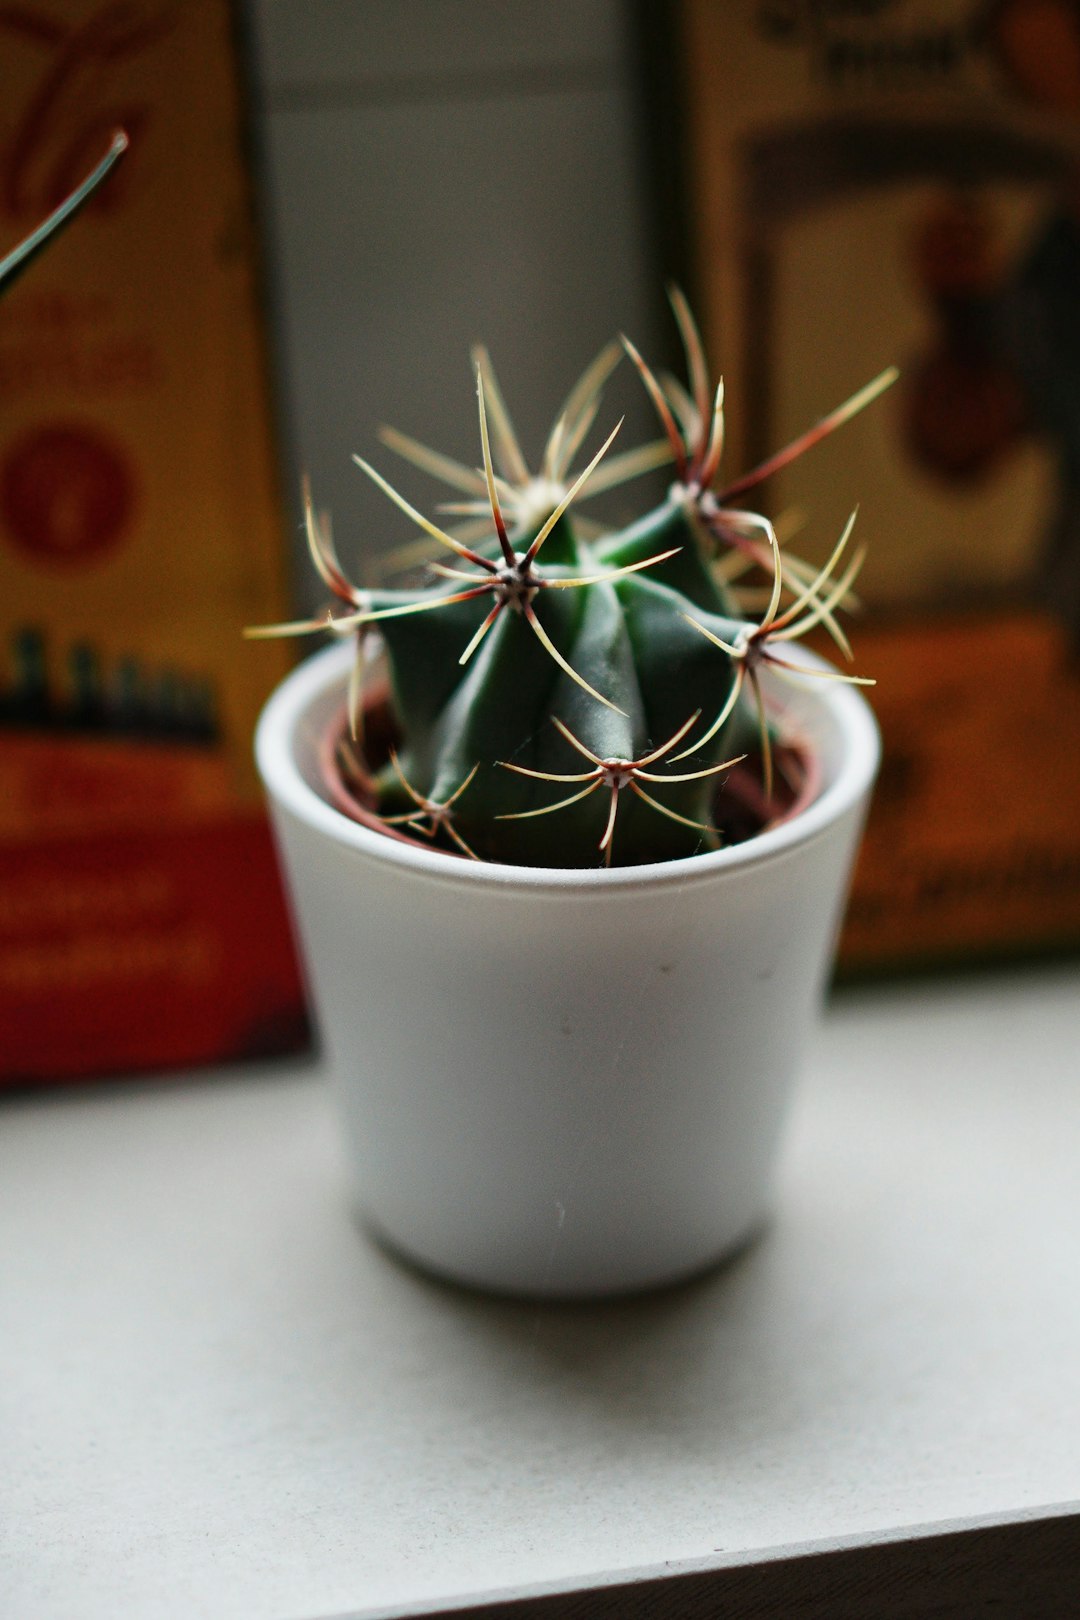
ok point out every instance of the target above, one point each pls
(437, 172)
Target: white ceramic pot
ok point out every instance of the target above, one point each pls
(564, 1083)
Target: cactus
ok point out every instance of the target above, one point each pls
(561, 695)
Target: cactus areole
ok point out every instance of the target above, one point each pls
(556, 694)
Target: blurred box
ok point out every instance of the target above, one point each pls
(142, 922)
(900, 182)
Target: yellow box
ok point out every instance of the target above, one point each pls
(141, 918)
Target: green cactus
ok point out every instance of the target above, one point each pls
(563, 695)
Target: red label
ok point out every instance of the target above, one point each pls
(145, 950)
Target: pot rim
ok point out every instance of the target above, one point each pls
(318, 676)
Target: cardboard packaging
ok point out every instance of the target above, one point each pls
(900, 183)
(142, 922)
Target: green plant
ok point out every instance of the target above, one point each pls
(25, 252)
(560, 694)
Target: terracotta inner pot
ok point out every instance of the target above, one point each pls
(740, 809)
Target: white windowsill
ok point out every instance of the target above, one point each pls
(219, 1399)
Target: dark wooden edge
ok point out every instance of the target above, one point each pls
(1023, 1569)
(656, 62)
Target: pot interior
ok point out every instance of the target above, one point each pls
(833, 725)
(740, 808)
